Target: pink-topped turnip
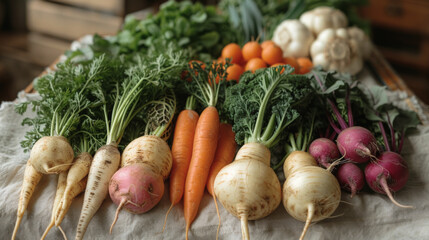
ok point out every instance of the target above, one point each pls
(135, 188)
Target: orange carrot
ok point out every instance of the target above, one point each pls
(181, 151)
(225, 152)
(203, 152)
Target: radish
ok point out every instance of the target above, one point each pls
(351, 178)
(311, 194)
(136, 188)
(357, 144)
(324, 150)
(388, 174)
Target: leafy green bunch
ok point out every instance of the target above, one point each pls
(183, 24)
(66, 102)
(263, 104)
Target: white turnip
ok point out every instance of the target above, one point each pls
(311, 194)
(357, 144)
(248, 188)
(324, 150)
(389, 173)
(51, 155)
(297, 160)
(136, 188)
(351, 178)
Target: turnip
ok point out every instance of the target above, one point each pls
(248, 188)
(297, 160)
(51, 155)
(324, 150)
(311, 194)
(357, 144)
(350, 178)
(389, 173)
(145, 163)
(136, 188)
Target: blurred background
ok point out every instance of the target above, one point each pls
(34, 33)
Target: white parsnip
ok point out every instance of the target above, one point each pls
(61, 186)
(31, 179)
(104, 165)
(78, 171)
(66, 200)
(248, 188)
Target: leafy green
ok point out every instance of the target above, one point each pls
(262, 105)
(66, 101)
(147, 80)
(183, 25)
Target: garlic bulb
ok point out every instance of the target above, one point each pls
(293, 38)
(365, 45)
(322, 18)
(335, 50)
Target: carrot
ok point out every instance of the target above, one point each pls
(31, 179)
(61, 186)
(225, 152)
(181, 151)
(203, 152)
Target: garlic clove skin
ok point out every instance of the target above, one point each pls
(364, 43)
(294, 38)
(334, 49)
(322, 18)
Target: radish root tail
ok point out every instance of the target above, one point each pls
(244, 227)
(121, 204)
(386, 189)
(310, 216)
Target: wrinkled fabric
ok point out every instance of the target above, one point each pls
(366, 216)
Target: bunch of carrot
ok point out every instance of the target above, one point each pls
(254, 55)
(202, 145)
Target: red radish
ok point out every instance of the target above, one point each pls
(351, 178)
(136, 188)
(388, 174)
(357, 144)
(324, 150)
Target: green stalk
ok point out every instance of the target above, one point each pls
(260, 119)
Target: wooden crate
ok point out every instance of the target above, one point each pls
(45, 49)
(68, 22)
(116, 7)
